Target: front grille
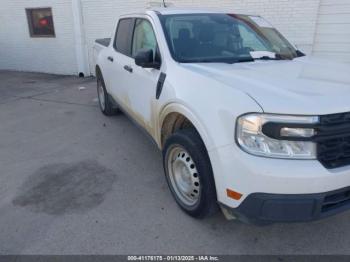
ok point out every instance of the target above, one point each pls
(336, 200)
(333, 140)
(335, 119)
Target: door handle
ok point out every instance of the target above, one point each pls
(110, 59)
(128, 68)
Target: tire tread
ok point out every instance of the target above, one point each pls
(192, 142)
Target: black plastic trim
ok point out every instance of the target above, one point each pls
(300, 53)
(264, 208)
(160, 84)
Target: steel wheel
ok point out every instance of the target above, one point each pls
(101, 95)
(183, 176)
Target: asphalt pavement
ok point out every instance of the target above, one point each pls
(73, 181)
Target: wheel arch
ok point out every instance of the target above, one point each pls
(177, 116)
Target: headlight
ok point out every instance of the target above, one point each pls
(277, 136)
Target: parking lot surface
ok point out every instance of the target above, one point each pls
(73, 181)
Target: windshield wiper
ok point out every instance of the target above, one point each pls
(228, 60)
(300, 54)
(267, 55)
(268, 58)
(277, 57)
(242, 60)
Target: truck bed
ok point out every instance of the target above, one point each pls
(103, 41)
(99, 45)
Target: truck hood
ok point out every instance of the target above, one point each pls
(306, 85)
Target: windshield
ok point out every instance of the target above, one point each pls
(223, 38)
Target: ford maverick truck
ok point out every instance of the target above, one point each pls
(246, 121)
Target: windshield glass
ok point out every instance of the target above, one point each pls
(223, 38)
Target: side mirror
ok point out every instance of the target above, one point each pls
(145, 59)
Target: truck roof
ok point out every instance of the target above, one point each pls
(175, 10)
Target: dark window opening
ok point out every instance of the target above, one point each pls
(123, 39)
(40, 22)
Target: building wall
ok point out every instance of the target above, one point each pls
(296, 19)
(18, 51)
(332, 38)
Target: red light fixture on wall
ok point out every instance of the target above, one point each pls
(40, 22)
(43, 22)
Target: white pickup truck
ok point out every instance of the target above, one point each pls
(245, 121)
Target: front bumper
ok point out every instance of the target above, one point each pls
(262, 208)
(278, 190)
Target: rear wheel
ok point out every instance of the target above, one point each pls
(106, 105)
(189, 173)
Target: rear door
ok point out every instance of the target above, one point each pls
(119, 76)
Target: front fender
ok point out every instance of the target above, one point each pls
(214, 121)
(211, 106)
(180, 108)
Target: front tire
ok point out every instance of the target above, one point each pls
(189, 174)
(106, 105)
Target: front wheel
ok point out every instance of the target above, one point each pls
(189, 174)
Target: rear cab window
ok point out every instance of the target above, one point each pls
(123, 36)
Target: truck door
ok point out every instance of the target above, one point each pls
(119, 57)
(142, 89)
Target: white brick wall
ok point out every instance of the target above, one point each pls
(296, 19)
(18, 51)
(332, 37)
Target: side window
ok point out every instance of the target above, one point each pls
(123, 37)
(144, 37)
